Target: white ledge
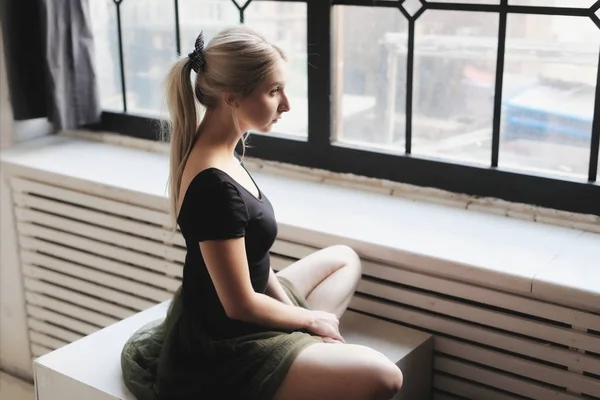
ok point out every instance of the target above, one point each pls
(531, 258)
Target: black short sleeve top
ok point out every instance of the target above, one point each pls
(217, 207)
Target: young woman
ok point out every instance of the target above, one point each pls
(235, 329)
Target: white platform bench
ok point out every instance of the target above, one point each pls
(89, 368)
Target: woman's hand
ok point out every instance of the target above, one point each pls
(332, 341)
(326, 325)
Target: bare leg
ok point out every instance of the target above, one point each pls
(348, 372)
(327, 278)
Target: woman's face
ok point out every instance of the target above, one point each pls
(260, 110)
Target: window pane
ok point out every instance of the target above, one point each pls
(467, 1)
(104, 25)
(412, 6)
(453, 90)
(149, 50)
(369, 76)
(554, 3)
(548, 97)
(284, 24)
(210, 16)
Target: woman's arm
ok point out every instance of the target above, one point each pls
(228, 268)
(275, 290)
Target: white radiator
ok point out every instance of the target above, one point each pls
(90, 259)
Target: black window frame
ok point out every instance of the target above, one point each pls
(318, 151)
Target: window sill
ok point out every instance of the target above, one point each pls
(535, 259)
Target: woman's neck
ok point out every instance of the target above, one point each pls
(219, 131)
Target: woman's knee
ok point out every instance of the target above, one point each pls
(381, 378)
(346, 371)
(353, 263)
(387, 381)
(348, 257)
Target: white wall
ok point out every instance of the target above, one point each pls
(15, 357)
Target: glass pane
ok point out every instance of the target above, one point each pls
(284, 24)
(453, 90)
(104, 25)
(210, 16)
(554, 3)
(467, 1)
(369, 76)
(412, 6)
(149, 50)
(548, 97)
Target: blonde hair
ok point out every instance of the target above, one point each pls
(237, 60)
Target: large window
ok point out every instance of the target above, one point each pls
(494, 98)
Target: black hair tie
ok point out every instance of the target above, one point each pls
(197, 56)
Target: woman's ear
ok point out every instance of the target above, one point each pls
(231, 100)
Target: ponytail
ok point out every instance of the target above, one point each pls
(184, 113)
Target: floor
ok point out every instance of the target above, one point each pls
(15, 389)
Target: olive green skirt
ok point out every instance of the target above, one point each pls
(174, 358)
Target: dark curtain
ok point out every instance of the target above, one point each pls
(24, 55)
(50, 57)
